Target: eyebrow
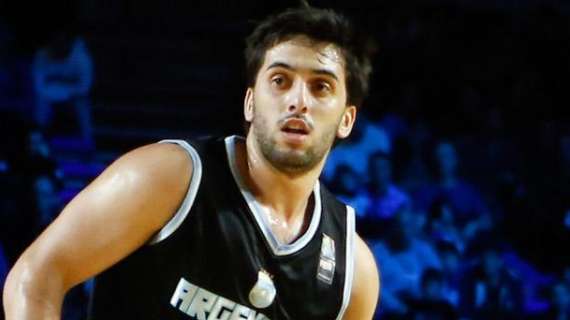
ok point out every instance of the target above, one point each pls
(316, 71)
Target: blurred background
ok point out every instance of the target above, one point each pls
(459, 166)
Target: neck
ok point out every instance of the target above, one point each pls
(286, 196)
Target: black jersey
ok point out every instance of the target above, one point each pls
(217, 258)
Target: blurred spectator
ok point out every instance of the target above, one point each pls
(347, 185)
(467, 205)
(490, 291)
(402, 259)
(432, 305)
(39, 155)
(442, 226)
(452, 270)
(386, 198)
(414, 170)
(366, 138)
(33, 155)
(47, 199)
(63, 75)
(560, 303)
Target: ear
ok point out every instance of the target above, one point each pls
(346, 122)
(248, 105)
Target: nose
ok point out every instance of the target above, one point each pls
(298, 101)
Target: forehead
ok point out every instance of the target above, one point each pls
(303, 53)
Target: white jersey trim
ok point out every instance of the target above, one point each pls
(349, 272)
(278, 248)
(186, 205)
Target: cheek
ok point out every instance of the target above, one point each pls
(264, 119)
(329, 127)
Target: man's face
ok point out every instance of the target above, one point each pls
(298, 105)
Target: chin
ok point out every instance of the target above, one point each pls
(293, 161)
(293, 153)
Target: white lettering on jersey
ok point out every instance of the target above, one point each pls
(241, 312)
(222, 309)
(184, 292)
(202, 304)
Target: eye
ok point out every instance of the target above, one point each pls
(322, 87)
(278, 81)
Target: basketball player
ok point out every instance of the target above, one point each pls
(229, 228)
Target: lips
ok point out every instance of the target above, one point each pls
(296, 126)
(296, 131)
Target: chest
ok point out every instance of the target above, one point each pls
(226, 259)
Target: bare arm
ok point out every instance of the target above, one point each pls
(365, 285)
(116, 214)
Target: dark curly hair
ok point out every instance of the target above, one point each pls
(320, 25)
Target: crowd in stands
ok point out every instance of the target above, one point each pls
(443, 251)
(44, 101)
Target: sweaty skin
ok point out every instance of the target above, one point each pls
(301, 84)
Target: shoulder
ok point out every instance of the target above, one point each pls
(366, 272)
(158, 172)
(160, 162)
(366, 284)
(114, 215)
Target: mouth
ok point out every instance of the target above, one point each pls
(296, 126)
(295, 131)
